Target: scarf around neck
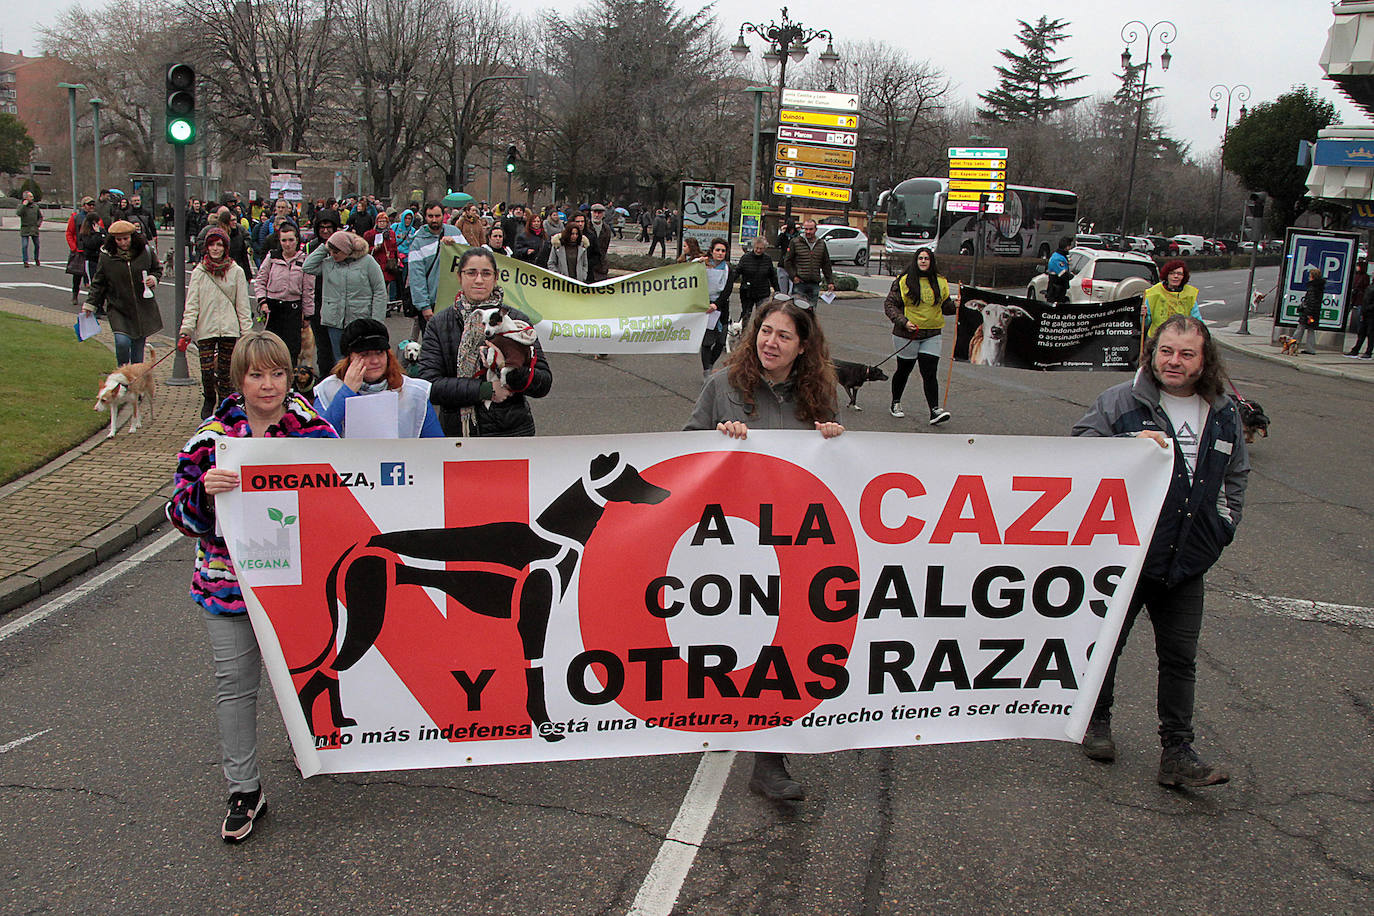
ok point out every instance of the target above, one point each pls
(470, 347)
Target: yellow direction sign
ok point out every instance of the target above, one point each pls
(819, 119)
(973, 196)
(977, 185)
(819, 192)
(813, 173)
(978, 164)
(978, 174)
(815, 155)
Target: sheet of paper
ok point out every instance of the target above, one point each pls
(87, 326)
(372, 416)
(712, 319)
(827, 297)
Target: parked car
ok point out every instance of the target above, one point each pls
(1102, 276)
(1084, 240)
(1187, 244)
(1214, 246)
(1112, 239)
(1159, 246)
(845, 243)
(1139, 243)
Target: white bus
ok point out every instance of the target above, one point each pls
(1031, 226)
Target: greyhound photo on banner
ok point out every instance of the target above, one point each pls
(654, 311)
(535, 599)
(996, 329)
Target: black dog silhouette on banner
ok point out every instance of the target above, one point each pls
(538, 559)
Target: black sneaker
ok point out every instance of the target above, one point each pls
(243, 808)
(771, 779)
(939, 415)
(1179, 765)
(1097, 741)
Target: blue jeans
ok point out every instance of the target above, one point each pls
(335, 342)
(805, 289)
(238, 672)
(1176, 615)
(128, 349)
(24, 247)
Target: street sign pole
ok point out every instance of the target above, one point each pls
(978, 237)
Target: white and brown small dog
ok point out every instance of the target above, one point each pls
(510, 344)
(131, 384)
(733, 332)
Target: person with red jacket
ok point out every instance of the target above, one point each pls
(77, 266)
(382, 240)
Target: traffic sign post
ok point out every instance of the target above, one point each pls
(817, 134)
(977, 180)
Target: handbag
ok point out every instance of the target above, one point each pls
(76, 263)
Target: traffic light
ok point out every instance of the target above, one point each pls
(512, 154)
(471, 175)
(1254, 204)
(181, 104)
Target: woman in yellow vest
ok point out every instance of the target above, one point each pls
(1171, 296)
(917, 305)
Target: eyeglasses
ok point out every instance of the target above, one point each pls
(473, 274)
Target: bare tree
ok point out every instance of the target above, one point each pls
(118, 52)
(266, 68)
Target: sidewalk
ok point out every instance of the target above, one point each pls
(1331, 363)
(87, 505)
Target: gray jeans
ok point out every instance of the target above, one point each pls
(238, 670)
(805, 289)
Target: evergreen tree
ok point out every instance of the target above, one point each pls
(1032, 81)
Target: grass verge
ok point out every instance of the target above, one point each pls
(47, 386)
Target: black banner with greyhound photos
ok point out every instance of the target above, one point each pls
(996, 329)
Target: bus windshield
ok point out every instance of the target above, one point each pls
(913, 208)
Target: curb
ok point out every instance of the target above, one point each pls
(48, 575)
(1291, 363)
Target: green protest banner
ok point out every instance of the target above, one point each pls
(654, 311)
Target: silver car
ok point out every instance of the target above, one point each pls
(1102, 276)
(845, 243)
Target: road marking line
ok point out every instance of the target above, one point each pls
(1306, 609)
(82, 591)
(65, 289)
(658, 894)
(6, 748)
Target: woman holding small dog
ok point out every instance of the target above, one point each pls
(125, 270)
(917, 305)
(218, 312)
(370, 366)
(262, 405)
(780, 377)
(451, 361)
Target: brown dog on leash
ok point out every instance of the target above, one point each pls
(131, 384)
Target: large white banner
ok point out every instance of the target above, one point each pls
(438, 602)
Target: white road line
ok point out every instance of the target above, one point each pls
(1305, 609)
(81, 591)
(1203, 305)
(6, 748)
(658, 894)
(65, 289)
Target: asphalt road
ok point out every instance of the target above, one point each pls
(109, 765)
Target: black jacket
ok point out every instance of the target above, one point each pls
(1199, 516)
(533, 249)
(758, 277)
(449, 394)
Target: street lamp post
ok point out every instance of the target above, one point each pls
(1241, 93)
(71, 114)
(758, 92)
(95, 134)
(785, 39)
(1129, 34)
(459, 179)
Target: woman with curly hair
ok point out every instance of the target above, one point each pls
(780, 377)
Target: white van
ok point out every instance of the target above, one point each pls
(1188, 244)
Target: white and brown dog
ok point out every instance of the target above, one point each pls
(131, 384)
(510, 344)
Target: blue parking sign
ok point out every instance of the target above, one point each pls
(1333, 253)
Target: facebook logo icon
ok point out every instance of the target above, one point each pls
(393, 473)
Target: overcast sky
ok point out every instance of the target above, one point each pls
(1269, 45)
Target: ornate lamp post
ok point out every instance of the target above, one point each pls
(1241, 93)
(1130, 32)
(786, 39)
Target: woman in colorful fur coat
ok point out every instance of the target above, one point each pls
(262, 405)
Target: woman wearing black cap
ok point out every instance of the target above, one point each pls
(370, 366)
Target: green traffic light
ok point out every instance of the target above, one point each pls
(510, 166)
(181, 131)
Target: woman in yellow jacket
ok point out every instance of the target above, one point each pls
(917, 305)
(1171, 296)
